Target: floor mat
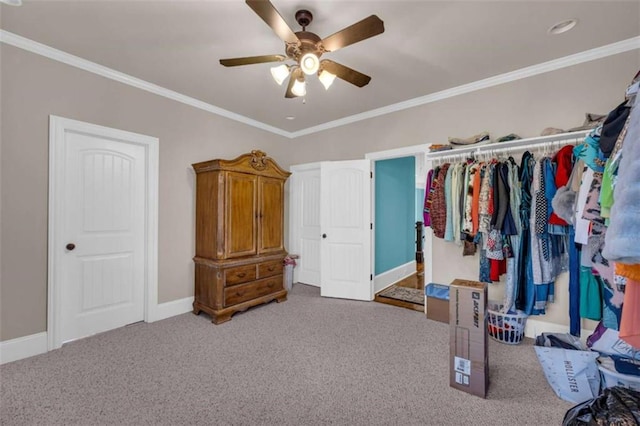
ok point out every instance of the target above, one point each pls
(411, 295)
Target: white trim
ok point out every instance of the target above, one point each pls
(171, 309)
(57, 127)
(405, 151)
(544, 67)
(535, 327)
(387, 278)
(75, 61)
(23, 347)
(36, 344)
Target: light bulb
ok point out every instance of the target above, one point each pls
(309, 63)
(299, 88)
(326, 78)
(280, 73)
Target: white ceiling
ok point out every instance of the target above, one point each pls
(427, 46)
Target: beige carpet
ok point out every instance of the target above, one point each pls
(307, 361)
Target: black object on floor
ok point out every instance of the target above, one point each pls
(614, 406)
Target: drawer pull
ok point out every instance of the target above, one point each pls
(241, 275)
(271, 268)
(239, 293)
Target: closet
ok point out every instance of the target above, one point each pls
(450, 250)
(239, 234)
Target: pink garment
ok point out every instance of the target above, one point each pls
(630, 321)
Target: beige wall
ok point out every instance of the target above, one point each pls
(34, 87)
(525, 107)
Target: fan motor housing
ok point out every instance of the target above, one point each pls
(309, 42)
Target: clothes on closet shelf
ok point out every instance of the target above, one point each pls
(575, 211)
(490, 204)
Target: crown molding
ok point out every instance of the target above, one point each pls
(541, 68)
(75, 61)
(544, 67)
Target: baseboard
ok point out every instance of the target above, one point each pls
(534, 328)
(23, 347)
(385, 279)
(171, 309)
(36, 344)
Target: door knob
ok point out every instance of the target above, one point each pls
(324, 235)
(70, 246)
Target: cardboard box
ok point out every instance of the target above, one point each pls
(436, 302)
(469, 355)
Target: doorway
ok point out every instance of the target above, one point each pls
(305, 221)
(103, 195)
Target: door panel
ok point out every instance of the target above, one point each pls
(241, 229)
(271, 216)
(310, 231)
(305, 234)
(345, 204)
(103, 277)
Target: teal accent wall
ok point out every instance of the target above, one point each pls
(395, 213)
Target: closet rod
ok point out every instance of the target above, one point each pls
(519, 145)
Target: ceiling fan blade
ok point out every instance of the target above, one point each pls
(234, 62)
(292, 79)
(368, 27)
(347, 74)
(269, 14)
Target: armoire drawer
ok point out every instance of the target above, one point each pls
(268, 269)
(242, 293)
(241, 274)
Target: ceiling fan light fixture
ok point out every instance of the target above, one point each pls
(299, 88)
(326, 78)
(309, 63)
(280, 73)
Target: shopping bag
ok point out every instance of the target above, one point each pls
(572, 374)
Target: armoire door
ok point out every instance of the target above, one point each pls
(271, 215)
(241, 214)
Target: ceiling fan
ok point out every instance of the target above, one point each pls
(306, 48)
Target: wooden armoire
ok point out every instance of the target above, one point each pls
(239, 234)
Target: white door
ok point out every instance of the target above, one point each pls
(100, 226)
(345, 218)
(305, 207)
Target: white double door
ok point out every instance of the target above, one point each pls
(331, 227)
(99, 193)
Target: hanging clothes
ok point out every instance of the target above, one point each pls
(622, 238)
(438, 207)
(457, 178)
(524, 296)
(512, 262)
(630, 322)
(541, 250)
(428, 195)
(574, 284)
(448, 229)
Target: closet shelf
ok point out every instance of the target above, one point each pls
(519, 144)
